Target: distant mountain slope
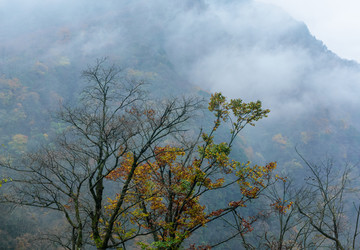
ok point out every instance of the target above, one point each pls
(242, 48)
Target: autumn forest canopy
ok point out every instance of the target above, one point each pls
(174, 125)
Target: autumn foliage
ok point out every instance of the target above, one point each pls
(164, 198)
(125, 170)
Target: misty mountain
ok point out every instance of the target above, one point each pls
(242, 48)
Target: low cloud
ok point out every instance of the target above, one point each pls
(243, 48)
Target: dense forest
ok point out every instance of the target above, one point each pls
(174, 125)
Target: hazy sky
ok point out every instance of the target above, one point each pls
(335, 22)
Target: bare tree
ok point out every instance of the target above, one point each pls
(113, 119)
(324, 204)
(289, 228)
(321, 212)
(279, 226)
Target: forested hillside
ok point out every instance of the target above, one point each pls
(111, 116)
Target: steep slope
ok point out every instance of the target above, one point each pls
(242, 48)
